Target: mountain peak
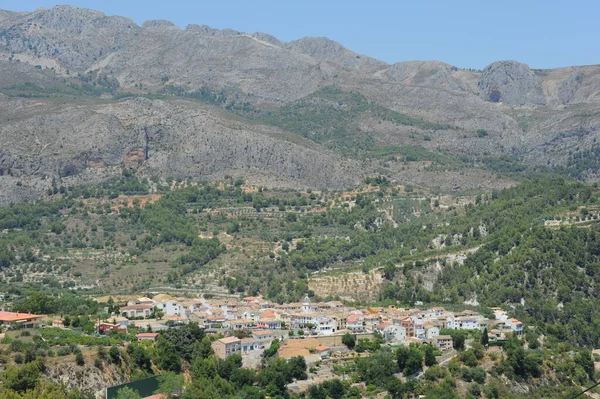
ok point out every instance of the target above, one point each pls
(158, 23)
(325, 49)
(512, 83)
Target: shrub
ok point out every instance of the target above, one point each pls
(79, 359)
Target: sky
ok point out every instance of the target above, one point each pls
(467, 34)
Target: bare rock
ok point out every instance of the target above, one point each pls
(511, 83)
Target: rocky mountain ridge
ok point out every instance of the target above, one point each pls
(69, 78)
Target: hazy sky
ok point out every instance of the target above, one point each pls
(468, 34)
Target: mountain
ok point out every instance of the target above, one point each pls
(83, 94)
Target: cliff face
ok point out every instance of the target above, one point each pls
(86, 377)
(63, 71)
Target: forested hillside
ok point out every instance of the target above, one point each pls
(533, 247)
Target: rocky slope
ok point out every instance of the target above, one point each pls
(63, 71)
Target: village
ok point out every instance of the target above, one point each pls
(313, 330)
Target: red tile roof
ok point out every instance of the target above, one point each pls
(10, 316)
(147, 335)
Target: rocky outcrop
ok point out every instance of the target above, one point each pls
(52, 127)
(425, 73)
(511, 83)
(158, 23)
(73, 36)
(568, 87)
(324, 49)
(86, 377)
(87, 143)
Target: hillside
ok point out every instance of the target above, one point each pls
(531, 250)
(84, 93)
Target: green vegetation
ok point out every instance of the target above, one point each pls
(331, 117)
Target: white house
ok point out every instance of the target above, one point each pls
(500, 314)
(431, 332)
(419, 331)
(394, 332)
(299, 320)
(515, 325)
(355, 322)
(171, 308)
(130, 311)
(250, 344)
(140, 301)
(466, 323)
(450, 322)
(325, 325)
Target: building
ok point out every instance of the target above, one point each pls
(239, 324)
(20, 320)
(355, 323)
(408, 324)
(120, 320)
(225, 347)
(323, 351)
(431, 331)
(250, 344)
(500, 314)
(301, 320)
(326, 326)
(157, 396)
(515, 325)
(171, 308)
(104, 327)
(443, 342)
(263, 335)
(394, 332)
(466, 324)
(147, 337)
(371, 320)
(340, 320)
(141, 301)
(140, 310)
(58, 324)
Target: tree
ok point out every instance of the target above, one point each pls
(414, 363)
(389, 271)
(484, 338)
(335, 388)
(167, 357)
(114, 355)
(377, 368)
(458, 340)
(402, 356)
(396, 388)
(22, 378)
(202, 349)
(297, 368)
(183, 339)
(169, 384)
(140, 356)
(127, 393)
(158, 313)
(102, 354)
(430, 359)
(35, 303)
(349, 340)
(584, 359)
(317, 392)
(79, 359)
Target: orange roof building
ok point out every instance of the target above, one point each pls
(147, 336)
(26, 320)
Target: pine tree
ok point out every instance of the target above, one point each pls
(484, 337)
